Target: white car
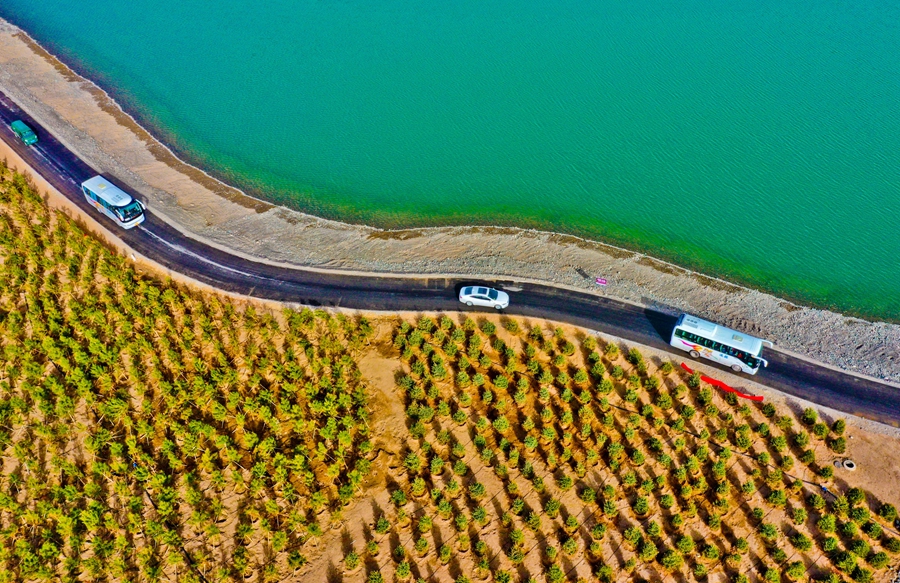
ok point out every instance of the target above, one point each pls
(484, 296)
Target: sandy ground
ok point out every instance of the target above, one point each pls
(871, 445)
(84, 118)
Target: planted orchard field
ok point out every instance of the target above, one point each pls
(534, 455)
(153, 433)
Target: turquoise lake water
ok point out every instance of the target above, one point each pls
(754, 140)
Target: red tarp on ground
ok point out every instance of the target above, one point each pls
(722, 385)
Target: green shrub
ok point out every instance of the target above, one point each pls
(517, 537)
(809, 416)
(860, 515)
(777, 498)
(551, 507)
(351, 561)
(671, 560)
(778, 443)
(685, 545)
(611, 350)
(795, 570)
(892, 545)
(598, 531)
(641, 506)
(873, 530)
(849, 529)
(581, 377)
(488, 327)
(839, 426)
(844, 560)
(768, 531)
(879, 560)
(827, 523)
(856, 496)
(501, 424)
(801, 542)
(888, 512)
(694, 380)
(860, 548)
(632, 535)
(647, 551)
(444, 553)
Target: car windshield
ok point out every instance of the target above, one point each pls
(492, 293)
(130, 211)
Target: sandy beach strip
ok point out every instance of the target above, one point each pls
(83, 117)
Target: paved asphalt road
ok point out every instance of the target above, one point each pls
(156, 240)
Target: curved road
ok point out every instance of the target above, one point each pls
(163, 244)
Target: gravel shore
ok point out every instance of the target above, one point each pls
(89, 122)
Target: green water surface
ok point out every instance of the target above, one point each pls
(754, 140)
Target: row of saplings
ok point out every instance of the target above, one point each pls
(670, 558)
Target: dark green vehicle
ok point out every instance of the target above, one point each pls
(25, 133)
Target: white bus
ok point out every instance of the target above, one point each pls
(114, 202)
(719, 344)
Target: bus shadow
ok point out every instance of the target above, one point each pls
(663, 324)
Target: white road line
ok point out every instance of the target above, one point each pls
(60, 170)
(189, 253)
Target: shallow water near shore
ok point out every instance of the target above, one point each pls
(756, 142)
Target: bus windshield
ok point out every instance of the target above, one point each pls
(129, 212)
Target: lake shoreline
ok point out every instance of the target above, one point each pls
(85, 118)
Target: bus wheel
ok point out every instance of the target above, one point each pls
(736, 368)
(694, 354)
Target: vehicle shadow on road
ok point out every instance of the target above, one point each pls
(662, 323)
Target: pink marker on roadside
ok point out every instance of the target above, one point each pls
(601, 281)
